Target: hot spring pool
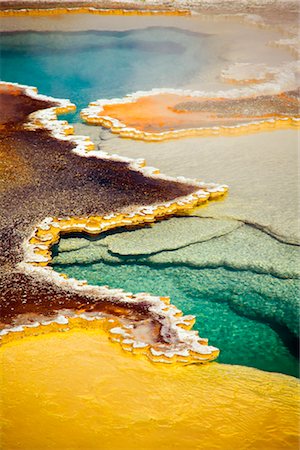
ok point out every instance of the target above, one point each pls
(85, 66)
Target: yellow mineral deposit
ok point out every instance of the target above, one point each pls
(79, 390)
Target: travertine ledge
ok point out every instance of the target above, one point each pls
(150, 325)
(162, 114)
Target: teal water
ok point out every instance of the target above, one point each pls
(86, 66)
(249, 316)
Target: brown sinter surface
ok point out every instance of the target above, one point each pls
(40, 176)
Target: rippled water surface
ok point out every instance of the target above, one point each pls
(85, 66)
(245, 314)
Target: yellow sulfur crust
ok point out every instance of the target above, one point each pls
(77, 390)
(247, 128)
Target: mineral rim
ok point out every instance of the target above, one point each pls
(53, 183)
(165, 114)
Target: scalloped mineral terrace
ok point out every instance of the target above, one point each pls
(34, 295)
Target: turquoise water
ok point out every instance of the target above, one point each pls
(85, 66)
(245, 314)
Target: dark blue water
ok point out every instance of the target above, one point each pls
(86, 66)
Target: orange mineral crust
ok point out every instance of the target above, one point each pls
(121, 9)
(54, 183)
(158, 116)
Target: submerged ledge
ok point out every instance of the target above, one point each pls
(207, 279)
(162, 114)
(35, 295)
